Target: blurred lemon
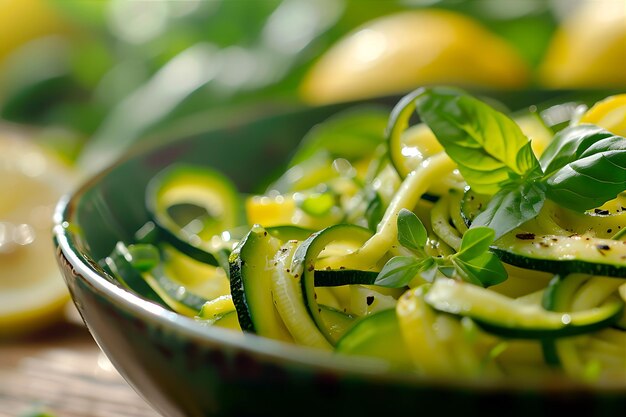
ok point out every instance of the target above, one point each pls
(399, 52)
(32, 291)
(589, 48)
(24, 20)
(609, 114)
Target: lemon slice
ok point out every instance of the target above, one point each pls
(589, 48)
(402, 51)
(609, 113)
(32, 291)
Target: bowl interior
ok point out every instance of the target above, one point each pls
(110, 206)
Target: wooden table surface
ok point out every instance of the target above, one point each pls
(63, 372)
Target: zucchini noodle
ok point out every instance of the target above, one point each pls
(407, 196)
(560, 309)
(287, 298)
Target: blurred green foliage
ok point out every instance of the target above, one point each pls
(130, 68)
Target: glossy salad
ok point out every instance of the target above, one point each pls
(444, 237)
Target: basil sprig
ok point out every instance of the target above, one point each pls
(488, 147)
(582, 168)
(472, 263)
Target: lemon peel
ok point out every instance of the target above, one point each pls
(33, 294)
(42, 20)
(401, 51)
(588, 49)
(608, 113)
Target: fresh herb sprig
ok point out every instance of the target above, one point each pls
(472, 263)
(583, 167)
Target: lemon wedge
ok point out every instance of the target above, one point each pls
(402, 51)
(32, 292)
(588, 50)
(609, 113)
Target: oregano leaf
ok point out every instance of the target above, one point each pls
(399, 271)
(475, 242)
(412, 233)
(484, 270)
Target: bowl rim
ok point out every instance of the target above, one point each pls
(273, 351)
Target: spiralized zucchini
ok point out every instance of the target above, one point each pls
(410, 280)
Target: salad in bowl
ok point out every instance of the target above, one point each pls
(445, 241)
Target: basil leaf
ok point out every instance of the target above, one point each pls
(485, 270)
(400, 270)
(475, 242)
(584, 167)
(598, 176)
(569, 144)
(412, 233)
(488, 147)
(511, 207)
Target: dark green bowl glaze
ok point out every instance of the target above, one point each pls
(186, 370)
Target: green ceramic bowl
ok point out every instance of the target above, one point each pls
(185, 370)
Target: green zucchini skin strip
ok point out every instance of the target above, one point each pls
(574, 292)
(289, 232)
(610, 314)
(141, 268)
(583, 254)
(305, 257)
(168, 288)
(338, 277)
(250, 283)
(500, 315)
(118, 263)
(239, 272)
(190, 250)
(207, 181)
(398, 123)
(558, 297)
